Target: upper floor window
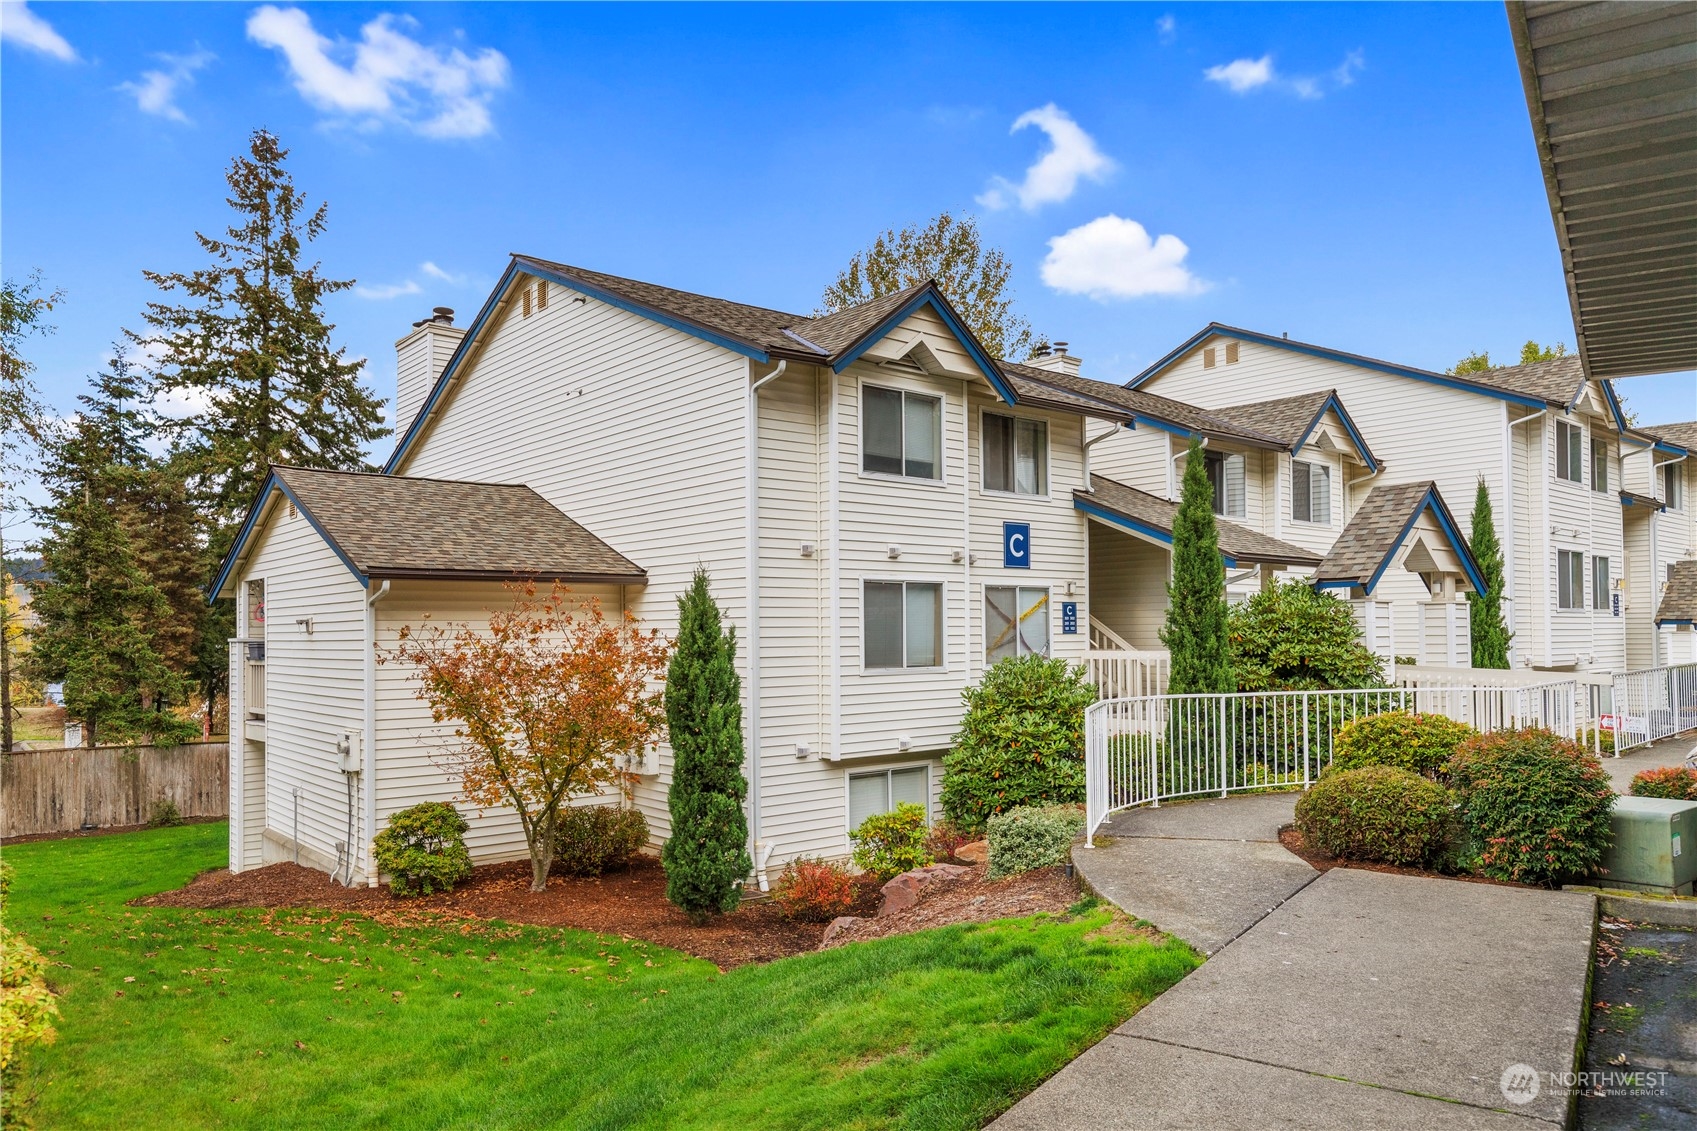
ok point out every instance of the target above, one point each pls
(1225, 475)
(901, 433)
(1600, 583)
(1673, 493)
(1016, 455)
(904, 624)
(1016, 622)
(1310, 492)
(1570, 579)
(1599, 464)
(1569, 462)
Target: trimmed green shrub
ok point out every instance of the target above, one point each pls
(1676, 783)
(1032, 837)
(1534, 806)
(1293, 637)
(1378, 813)
(164, 815)
(423, 849)
(888, 844)
(589, 839)
(1418, 743)
(814, 891)
(1021, 741)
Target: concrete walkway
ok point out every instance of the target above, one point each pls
(1667, 752)
(1352, 999)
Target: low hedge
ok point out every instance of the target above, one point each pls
(814, 891)
(1534, 806)
(888, 844)
(1378, 813)
(589, 839)
(1676, 783)
(1037, 836)
(1418, 743)
(423, 849)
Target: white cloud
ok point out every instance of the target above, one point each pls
(156, 91)
(21, 26)
(1242, 75)
(1167, 28)
(1112, 257)
(1072, 154)
(388, 76)
(384, 292)
(436, 272)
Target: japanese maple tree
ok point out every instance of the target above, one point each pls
(545, 703)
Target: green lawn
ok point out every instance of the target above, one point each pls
(311, 1019)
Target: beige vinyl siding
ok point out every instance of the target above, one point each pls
(1531, 591)
(1136, 457)
(414, 754)
(634, 429)
(1588, 522)
(314, 682)
(1130, 596)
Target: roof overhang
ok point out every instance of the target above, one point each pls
(1431, 502)
(1612, 93)
(929, 297)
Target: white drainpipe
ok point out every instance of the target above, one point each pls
(1091, 443)
(762, 851)
(368, 737)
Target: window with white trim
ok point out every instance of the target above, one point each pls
(901, 433)
(1310, 492)
(1016, 622)
(1673, 486)
(1570, 579)
(880, 791)
(1226, 476)
(904, 624)
(1599, 464)
(1015, 455)
(1600, 583)
(1569, 463)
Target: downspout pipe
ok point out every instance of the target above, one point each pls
(368, 736)
(762, 851)
(1091, 443)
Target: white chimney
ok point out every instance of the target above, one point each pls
(1057, 360)
(420, 358)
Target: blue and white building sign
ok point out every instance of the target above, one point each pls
(1069, 618)
(1016, 545)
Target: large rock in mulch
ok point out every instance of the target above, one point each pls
(903, 891)
(838, 925)
(978, 852)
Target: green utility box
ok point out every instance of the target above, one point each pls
(1655, 846)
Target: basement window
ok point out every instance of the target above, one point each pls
(881, 791)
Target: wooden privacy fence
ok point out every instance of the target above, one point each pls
(61, 791)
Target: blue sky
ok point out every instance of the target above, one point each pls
(1361, 176)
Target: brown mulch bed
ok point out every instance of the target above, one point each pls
(631, 904)
(105, 830)
(1321, 862)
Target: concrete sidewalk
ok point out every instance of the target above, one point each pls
(1361, 1000)
(1667, 752)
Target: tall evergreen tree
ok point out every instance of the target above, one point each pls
(1195, 631)
(1488, 633)
(707, 856)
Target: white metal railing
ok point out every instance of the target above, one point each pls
(1592, 690)
(1142, 749)
(1120, 673)
(1654, 703)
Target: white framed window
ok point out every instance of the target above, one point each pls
(1599, 464)
(1569, 462)
(1673, 486)
(1015, 454)
(1570, 579)
(1226, 476)
(880, 791)
(1310, 492)
(1016, 622)
(903, 625)
(1600, 583)
(901, 433)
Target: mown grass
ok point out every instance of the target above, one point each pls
(312, 1019)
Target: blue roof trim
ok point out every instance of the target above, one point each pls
(1332, 402)
(1216, 330)
(1655, 504)
(1165, 426)
(1334, 585)
(252, 524)
(1670, 620)
(1435, 502)
(1614, 404)
(1121, 520)
(930, 297)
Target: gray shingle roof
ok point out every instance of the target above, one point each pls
(1376, 529)
(1138, 403)
(397, 526)
(1679, 603)
(1557, 381)
(1239, 543)
(1683, 435)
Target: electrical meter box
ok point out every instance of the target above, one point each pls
(1655, 846)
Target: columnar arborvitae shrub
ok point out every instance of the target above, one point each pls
(1021, 741)
(707, 857)
(1489, 634)
(1195, 631)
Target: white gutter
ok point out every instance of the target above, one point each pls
(368, 738)
(1509, 563)
(762, 852)
(1172, 468)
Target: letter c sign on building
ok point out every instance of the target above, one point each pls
(1016, 545)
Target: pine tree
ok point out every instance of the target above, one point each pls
(707, 857)
(1195, 631)
(1489, 634)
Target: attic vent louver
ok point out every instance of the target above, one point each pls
(1208, 356)
(542, 294)
(291, 510)
(524, 296)
(1231, 353)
